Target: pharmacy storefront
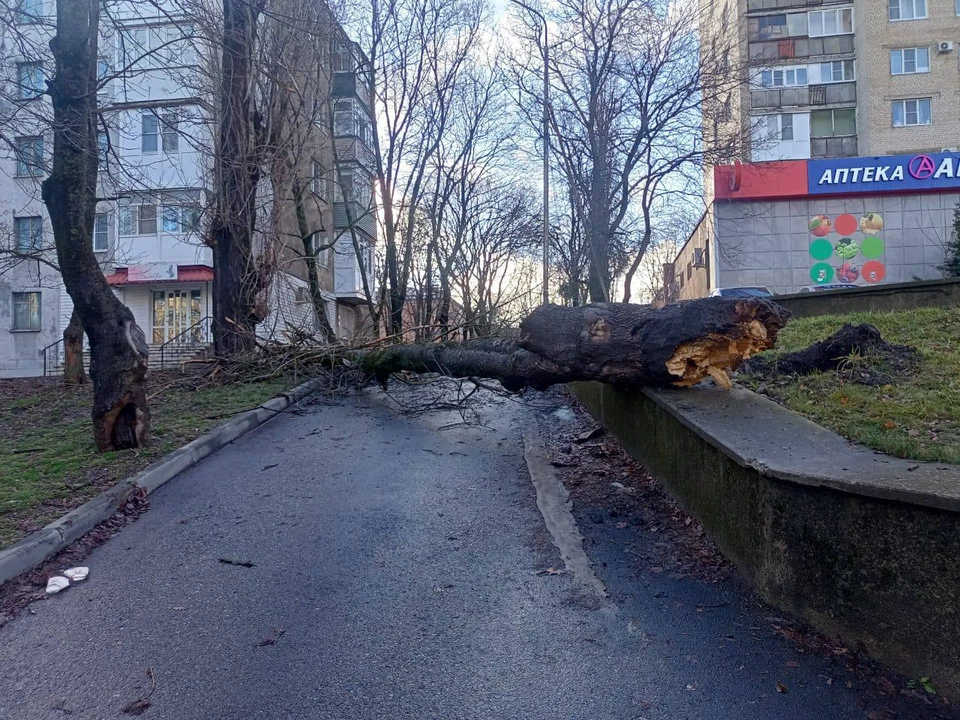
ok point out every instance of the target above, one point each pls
(170, 302)
(847, 221)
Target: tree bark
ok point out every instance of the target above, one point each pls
(118, 348)
(236, 281)
(73, 372)
(678, 345)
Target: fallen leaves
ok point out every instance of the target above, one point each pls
(781, 688)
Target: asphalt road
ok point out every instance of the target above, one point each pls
(397, 573)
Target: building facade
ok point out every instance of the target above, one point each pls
(828, 82)
(799, 224)
(155, 174)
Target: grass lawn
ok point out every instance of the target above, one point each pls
(916, 417)
(48, 463)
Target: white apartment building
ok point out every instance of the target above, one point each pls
(155, 169)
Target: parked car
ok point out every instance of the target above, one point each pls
(741, 292)
(820, 288)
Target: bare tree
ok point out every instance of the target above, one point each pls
(418, 50)
(629, 90)
(121, 418)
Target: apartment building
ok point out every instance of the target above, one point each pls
(156, 164)
(832, 94)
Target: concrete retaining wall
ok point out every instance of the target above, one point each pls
(880, 298)
(863, 546)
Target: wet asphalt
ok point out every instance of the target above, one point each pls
(397, 572)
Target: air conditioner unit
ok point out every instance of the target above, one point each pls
(945, 46)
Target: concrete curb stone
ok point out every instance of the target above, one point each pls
(51, 539)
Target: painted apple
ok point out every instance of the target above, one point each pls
(846, 249)
(871, 223)
(820, 225)
(848, 273)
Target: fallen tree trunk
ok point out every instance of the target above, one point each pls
(678, 345)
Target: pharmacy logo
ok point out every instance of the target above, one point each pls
(921, 167)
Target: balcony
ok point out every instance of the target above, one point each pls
(345, 85)
(355, 151)
(800, 47)
(767, 5)
(363, 218)
(348, 279)
(819, 95)
(833, 147)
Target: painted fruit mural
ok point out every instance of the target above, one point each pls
(848, 249)
(820, 225)
(871, 223)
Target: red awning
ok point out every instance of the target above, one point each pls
(185, 274)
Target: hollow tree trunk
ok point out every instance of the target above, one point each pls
(118, 348)
(678, 345)
(73, 372)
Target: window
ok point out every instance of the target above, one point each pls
(157, 46)
(29, 232)
(908, 9)
(910, 60)
(103, 148)
(343, 58)
(833, 123)
(103, 69)
(768, 27)
(181, 212)
(323, 256)
(29, 152)
(779, 127)
(179, 49)
(100, 229)
(357, 190)
(783, 77)
(138, 219)
(957, 8)
(317, 181)
(26, 311)
(836, 71)
(29, 11)
(830, 22)
(349, 118)
(29, 80)
(911, 112)
(149, 133)
(786, 127)
(169, 124)
(180, 219)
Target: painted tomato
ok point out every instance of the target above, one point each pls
(848, 273)
(820, 225)
(871, 223)
(846, 249)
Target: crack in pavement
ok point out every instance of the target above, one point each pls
(553, 501)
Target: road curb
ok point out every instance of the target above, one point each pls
(52, 538)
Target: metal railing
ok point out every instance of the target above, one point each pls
(200, 330)
(51, 364)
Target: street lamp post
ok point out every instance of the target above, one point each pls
(546, 150)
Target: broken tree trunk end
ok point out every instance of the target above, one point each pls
(677, 345)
